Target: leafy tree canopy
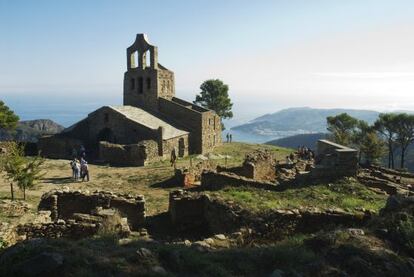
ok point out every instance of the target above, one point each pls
(214, 95)
(342, 127)
(8, 120)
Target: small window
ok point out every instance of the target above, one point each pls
(132, 84)
(106, 118)
(140, 85)
(148, 83)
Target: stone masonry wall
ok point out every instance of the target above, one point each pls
(63, 204)
(197, 210)
(57, 146)
(70, 229)
(132, 154)
(258, 165)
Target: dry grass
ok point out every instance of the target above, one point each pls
(146, 180)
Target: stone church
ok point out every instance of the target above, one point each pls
(151, 123)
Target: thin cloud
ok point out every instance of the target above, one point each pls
(365, 75)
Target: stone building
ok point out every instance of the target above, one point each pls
(151, 123)
(334, 160)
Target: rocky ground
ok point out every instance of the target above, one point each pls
(381, 243)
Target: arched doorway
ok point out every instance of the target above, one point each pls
(106, 134)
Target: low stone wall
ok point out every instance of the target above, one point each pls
(200, 211)
(129, 155)
(196, 211)
(70, 229)
(212, 180)
(258, 165)
(63, 204)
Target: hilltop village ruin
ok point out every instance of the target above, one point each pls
(198, 214)
(151, 123)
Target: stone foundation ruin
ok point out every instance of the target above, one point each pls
(258, 165)
(199, 211)
(66, 204)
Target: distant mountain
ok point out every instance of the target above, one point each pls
(308, 140)
(31, 130)
(294, 121)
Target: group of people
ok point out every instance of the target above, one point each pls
(80, 168)
(229, 138)
(305, 153)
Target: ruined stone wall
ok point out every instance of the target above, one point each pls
(197, 210)
(63, 204)
(58, 146)
(258, 165)
(212, 180)
(70, 229)
(129, 155)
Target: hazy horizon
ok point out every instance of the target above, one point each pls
(272, 54)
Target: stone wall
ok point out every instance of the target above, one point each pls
(187, 117)
(212, 180)
(129, 155)
(180, 144)
(70, 229)
(123, 130)
(334, 160)
(199, 211)
(58, 146)
(63, 204)
(258, 165)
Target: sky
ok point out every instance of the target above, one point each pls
(273, 54)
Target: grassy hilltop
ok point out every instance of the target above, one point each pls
(328, 252)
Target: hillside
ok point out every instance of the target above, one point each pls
(31, 130)
(308, 140)
(294, 121)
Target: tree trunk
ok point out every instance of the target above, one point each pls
(402, 157)
(389, 155)
(12, 191)
(24, 193)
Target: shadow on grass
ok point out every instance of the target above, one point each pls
(171, 182)
(59, 180)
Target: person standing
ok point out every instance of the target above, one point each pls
(227, 137)
(77, 169)
(73, 166)
(231, 138)
(173, 159)
(84, 170)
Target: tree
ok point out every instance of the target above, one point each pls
(214, 96)
(23, 171)
(405, 133)
(386, 126)
(361, 131)
(8, 120)
(372, 147)
(342, 128)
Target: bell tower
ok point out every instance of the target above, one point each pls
(145, 79)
